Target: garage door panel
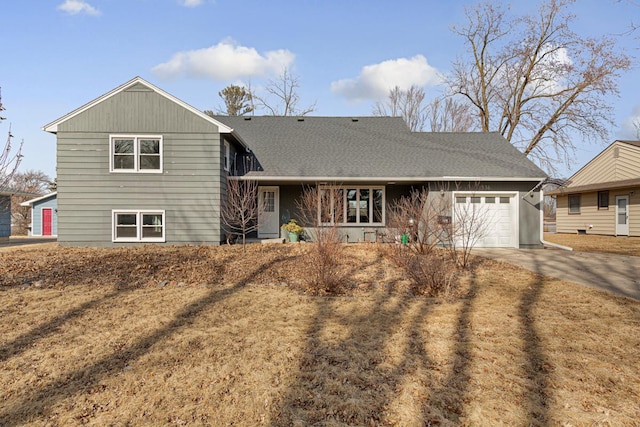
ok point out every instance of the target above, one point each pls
(497, 213)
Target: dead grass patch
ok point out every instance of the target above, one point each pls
(595, 243)
(231, 339)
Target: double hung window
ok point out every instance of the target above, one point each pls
(136, 153)
(138, 226)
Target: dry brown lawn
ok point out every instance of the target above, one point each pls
(212, 336)
(596, 243)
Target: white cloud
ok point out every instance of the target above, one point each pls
(75, 7)
(225, 61)
(375, 81)
(191, 3)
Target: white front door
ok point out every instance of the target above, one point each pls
(268, 214)
(622, 215)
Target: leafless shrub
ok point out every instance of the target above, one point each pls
(239, 211)
(469, 225)
(321, 211)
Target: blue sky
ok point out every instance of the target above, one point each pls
(59, 54)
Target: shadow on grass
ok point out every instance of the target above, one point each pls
(355, 377)
(28, 339)
(537, 364)
(82, 379)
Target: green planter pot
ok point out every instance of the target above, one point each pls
(293, 237)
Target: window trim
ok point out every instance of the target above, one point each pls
(136, 153)
(358, 188)
(227, 156)
(569, 209)
(601, 206)
(139, 213)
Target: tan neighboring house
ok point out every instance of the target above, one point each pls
(604, 196)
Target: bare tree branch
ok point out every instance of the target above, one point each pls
(282, 96)
(535, 81)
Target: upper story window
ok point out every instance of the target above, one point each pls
(227, 156)
(136, 153)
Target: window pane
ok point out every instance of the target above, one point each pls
(603, 199)
(489, 199)
(151, 232)
(352, 207)
(126, 219)
(150, 161)
(269, 201)
(152, 219)
(475, 199)
(149, 146)
(364, 205)
(377, 205)
(125, 231)
(460, 199)
(123, 146)
(123, 161)
(325, 206)
(574, 203)
(505, 199)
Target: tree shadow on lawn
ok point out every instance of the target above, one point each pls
(537, 364)
(52, 326)
(82, 379)
(355, 373)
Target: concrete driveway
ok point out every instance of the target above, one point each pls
(618, 274)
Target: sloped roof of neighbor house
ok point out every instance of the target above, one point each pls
(617, 166)
(370, 148)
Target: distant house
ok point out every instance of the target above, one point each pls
(138, 165)
(44, 215)
(5, 214)
(604, 196)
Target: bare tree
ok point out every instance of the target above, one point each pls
(448, 115)
(9, 159)
(535, 81)
(408, 104)
(282, 98)
(243, 205)
(321, 211)
(31, 182)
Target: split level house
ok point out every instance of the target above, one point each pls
(138, 165)
(603, 197)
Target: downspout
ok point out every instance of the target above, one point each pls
(544, 242)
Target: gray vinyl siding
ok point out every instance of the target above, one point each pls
(188, 189)
(36, 215)
(528, 205)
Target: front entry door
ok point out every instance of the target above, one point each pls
(268, 213)
(622, 215)
(47, 219)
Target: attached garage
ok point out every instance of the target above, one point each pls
(491, 217)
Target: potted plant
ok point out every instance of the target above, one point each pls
(294, 230)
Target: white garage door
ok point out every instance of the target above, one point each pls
(492, 217)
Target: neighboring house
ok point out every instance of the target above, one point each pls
(604, 196)
(139, 165)
(5, 210)
(44, 215)
(5, 214)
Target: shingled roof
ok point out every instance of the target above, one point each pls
(375, 148)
